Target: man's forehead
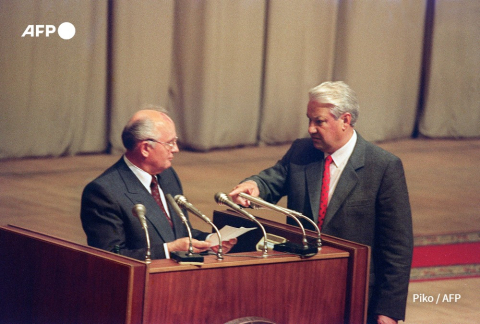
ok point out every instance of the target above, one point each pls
(316, 109)
(166, 129)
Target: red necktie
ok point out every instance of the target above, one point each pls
(156, 196)
(324, 194)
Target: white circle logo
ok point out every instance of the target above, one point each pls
(66, 30)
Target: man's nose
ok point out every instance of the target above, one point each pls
(175, 148)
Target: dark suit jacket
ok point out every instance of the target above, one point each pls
(107, 219)
(370, 205)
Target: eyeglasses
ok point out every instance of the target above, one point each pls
(171, 143)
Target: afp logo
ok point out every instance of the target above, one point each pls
(66, 30)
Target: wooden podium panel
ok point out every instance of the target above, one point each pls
(284, 289)
(48, 280)
(356, 294)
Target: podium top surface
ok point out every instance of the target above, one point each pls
(245, 259)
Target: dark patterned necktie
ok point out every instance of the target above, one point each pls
(156, 196)
(324, 194)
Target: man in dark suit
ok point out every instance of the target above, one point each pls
(106, 211)
(366, 194)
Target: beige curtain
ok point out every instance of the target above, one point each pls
(231, 72)
(52, 91)
(299, 54)
(379, 51)
(140, 60)
(452, 105)
(216, 83)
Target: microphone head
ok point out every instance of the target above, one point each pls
(139, 210)
(175, 207)
(181, 200)
(221, 198)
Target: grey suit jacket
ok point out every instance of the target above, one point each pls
(108, 221)
(370, 205)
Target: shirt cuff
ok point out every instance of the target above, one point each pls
(167, 253)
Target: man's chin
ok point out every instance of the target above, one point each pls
(318, 144)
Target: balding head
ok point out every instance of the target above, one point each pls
(151, 140)
(144, 124)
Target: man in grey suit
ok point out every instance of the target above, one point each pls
(106, 210)
(366, 194)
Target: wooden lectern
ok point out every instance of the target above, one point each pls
(49, 280)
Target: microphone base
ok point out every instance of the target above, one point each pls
(185, 258)
(295, 248)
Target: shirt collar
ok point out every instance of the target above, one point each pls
(341, 156)
(144, 177)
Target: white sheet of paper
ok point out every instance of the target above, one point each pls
(229, 232)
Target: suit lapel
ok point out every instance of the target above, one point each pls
(138, 194)
(348, 180)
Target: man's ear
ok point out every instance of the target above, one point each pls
(144, 148)
(346, 118)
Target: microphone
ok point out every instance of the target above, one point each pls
(290, 247)
(317, 229)
(182, 256)
(222, 199)
(286, 211)
(139, 211)
(183, 202)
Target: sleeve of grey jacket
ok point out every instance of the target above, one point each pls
(393, 243)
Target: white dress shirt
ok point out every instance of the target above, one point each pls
(339, 160)
(146, 179)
